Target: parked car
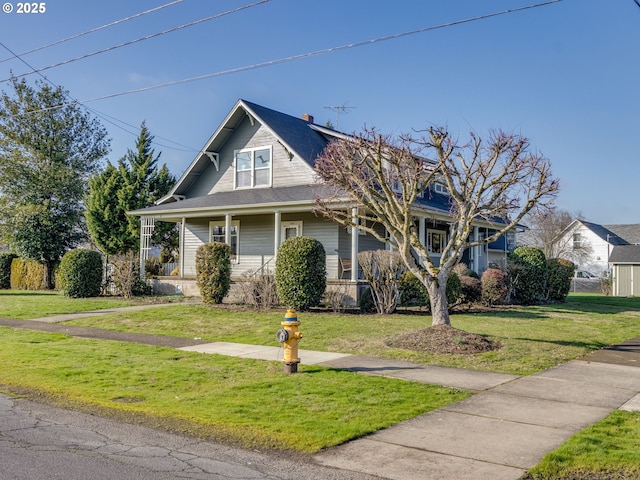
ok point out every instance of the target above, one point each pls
(584, 274)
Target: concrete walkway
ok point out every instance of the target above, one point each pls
(497, 434)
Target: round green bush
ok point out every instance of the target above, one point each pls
(80, 273)
(213, 271)
(559, 281)
(5, 269)
(301, 272)
(528, 275)
(494, 286)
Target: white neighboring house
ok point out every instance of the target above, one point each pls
(592, 243)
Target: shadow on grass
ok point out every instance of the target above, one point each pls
(566, 343)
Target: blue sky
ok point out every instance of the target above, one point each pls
(565, 75)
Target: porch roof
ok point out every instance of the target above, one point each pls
(238, 200)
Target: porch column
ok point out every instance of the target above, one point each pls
(147, 225)
(475, 251)
(181, 247)
(422, 233)
(277, 232)
(227, 229)
(354, 246)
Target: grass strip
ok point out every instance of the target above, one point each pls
(243, 401)
(609, 449)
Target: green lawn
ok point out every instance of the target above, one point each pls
(23, 305)
(247, 401)
(533, 338)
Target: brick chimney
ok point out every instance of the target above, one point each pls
(307, 118)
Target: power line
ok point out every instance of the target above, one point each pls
(315, 53)
(78, 35)
(104, 116)
(131, 42)
(320, 52)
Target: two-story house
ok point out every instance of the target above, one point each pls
(253, 185)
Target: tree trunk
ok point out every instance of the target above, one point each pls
(439, 305)
(48, 274)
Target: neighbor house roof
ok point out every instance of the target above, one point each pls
(629, 232)
(601, 231)
(625, 254)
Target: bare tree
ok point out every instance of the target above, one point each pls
(494, 182)
(545, 229)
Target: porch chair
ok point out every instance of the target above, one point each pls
(345, 266)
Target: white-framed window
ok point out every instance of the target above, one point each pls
(436, 241)
(218, 233)
(577, 241)
(440, 188)
(253, 167)
(290, 230)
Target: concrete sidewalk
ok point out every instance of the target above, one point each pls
(497, 434)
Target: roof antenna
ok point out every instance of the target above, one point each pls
(340, 109)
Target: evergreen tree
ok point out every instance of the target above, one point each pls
(136, 182)
(48, 148)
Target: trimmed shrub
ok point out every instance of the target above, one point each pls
(301, 273)
(5, 269)
(213, 271)
(528, 274)
(27, 274)
(493, 286)
(80, 273)
(559, 280)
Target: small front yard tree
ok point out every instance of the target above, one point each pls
(487, 179)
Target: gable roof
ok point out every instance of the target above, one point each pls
(299, 137)
(601, 231)
(625, 254)
(604, 233)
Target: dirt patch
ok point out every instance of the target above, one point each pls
(443, 339)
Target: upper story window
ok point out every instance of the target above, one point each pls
(253, 167)
(577, 240)
(440, 188)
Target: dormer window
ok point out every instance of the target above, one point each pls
(253, 167)
(440, 188)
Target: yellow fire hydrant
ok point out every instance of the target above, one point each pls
(289, 336)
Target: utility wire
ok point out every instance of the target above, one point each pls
(78, 35)
(105, 117)
(153, 35)
(321, 52)
(315, 53)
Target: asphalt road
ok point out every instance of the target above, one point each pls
(41, 442)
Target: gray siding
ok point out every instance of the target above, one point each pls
(285, 171)
(196, 233)
(626, 280)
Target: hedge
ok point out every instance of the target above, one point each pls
(80, 273)
(301, 272)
